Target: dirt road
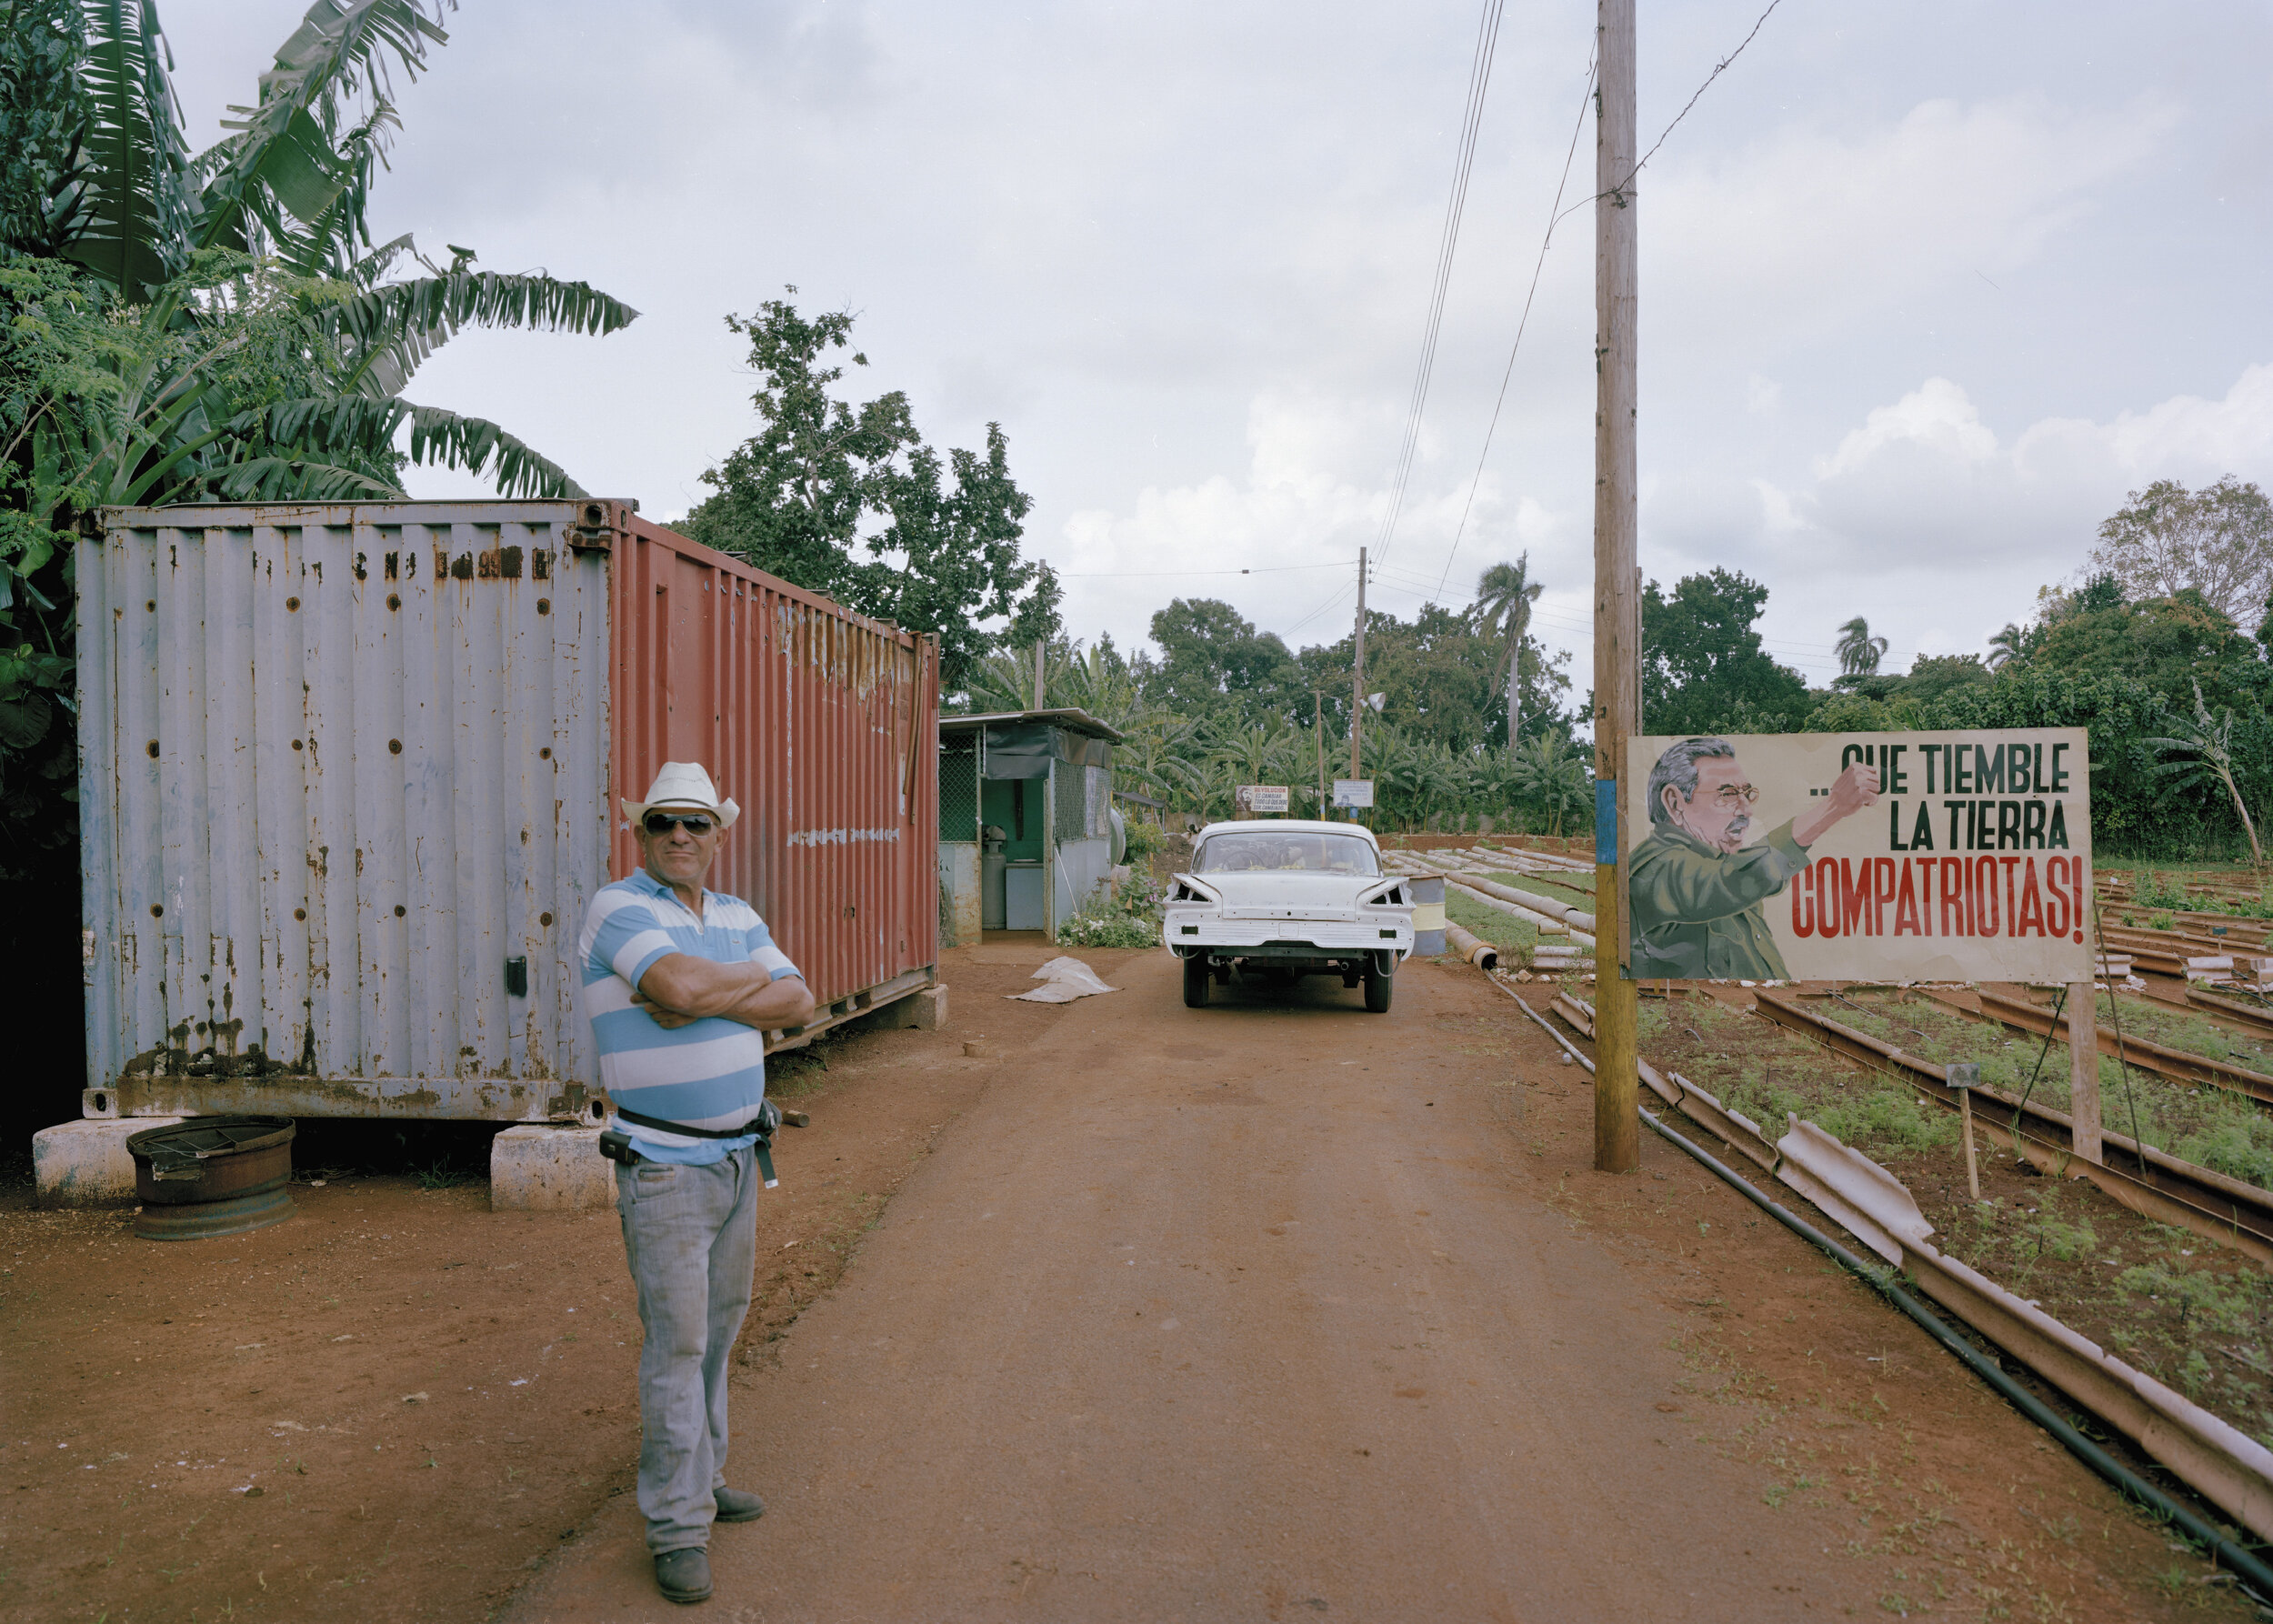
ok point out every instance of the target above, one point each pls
(1271, 1310)
(1274, 1310)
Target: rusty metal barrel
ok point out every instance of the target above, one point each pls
(212, 1175)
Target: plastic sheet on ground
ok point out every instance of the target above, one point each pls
(1063, 980)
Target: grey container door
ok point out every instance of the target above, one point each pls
(340, 766)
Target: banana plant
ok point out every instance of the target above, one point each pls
(212, 255)
(2204, 750)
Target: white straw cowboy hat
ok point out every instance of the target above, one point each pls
(684, 785)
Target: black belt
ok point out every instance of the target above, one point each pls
(757, 1125)
(762, 1125)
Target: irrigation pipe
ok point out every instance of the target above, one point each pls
(2245, 1566)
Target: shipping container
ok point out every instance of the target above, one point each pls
(349, 776)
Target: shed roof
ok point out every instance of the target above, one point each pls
(1070, 717)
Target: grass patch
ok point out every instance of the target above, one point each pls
(1720, 1049)
(2213, 1128)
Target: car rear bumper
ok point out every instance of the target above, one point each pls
(1288, 938)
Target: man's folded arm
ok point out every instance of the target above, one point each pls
(686, 983)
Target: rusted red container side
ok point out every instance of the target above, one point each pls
(822, 724)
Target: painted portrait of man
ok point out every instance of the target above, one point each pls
(1698, 894)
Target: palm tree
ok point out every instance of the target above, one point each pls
(1504, 596)
(1858, 651)
(2011, 644)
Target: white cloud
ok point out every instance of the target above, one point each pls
(1808, 229)
(1294, 511)
(1938, 529)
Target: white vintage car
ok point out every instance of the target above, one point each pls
(1285, 899)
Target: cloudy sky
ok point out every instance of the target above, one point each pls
(1925, 288)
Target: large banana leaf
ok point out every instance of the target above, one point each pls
(290, 162)
(388, 331)
(359, 426)
(133, 213)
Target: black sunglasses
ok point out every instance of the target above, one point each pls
(662, 823)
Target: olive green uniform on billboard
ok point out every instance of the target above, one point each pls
(1702, 915)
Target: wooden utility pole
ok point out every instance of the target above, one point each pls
(1357, 671)
(1617, 1125)
(1041, 648)
(2083, 1057)
(1317, 730)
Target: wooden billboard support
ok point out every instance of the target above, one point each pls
(2083, 1068)
(1616, 1120)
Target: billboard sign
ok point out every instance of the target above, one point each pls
(1353, 793)
(1251, 799)
(1859, 857)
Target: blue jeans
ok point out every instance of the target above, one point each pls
(690, 1234)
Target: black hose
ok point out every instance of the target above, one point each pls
(2248, 1568)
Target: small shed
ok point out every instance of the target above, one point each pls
(1044, 780)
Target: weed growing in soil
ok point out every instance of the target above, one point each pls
(1129, 919)
(1878, 1116)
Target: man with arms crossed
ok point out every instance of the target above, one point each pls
(682, 985)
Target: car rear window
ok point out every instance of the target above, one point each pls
(1263, 853)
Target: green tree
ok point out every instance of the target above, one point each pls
(1504, 596)
(1703, 668)
(2217, 541)
(847, 500)
(2166, 643)
(1213, 663)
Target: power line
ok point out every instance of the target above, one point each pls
(1340, 594)
(1719, 68)
(1259, 569)
(1479, 81)
(1554, 214)
(1557, 215)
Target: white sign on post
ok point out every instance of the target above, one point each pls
(1356, 793)
(1252, 798)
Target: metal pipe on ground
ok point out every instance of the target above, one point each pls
(2237, 1559)
(2176, 1064)
(1472, 948)
(1578, 918)
(1520, 911)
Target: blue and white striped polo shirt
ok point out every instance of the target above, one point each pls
(710, 1073)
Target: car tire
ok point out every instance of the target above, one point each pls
(1196, 981)
(1379, 984)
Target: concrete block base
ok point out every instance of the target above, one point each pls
(536, 1167)
(922, 1010)
(85, 1164)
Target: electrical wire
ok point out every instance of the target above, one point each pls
(1538, 266)
(1556, 216)
(1340, 593)
(1719, 68)
(1479, 81)
(1259, 569)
